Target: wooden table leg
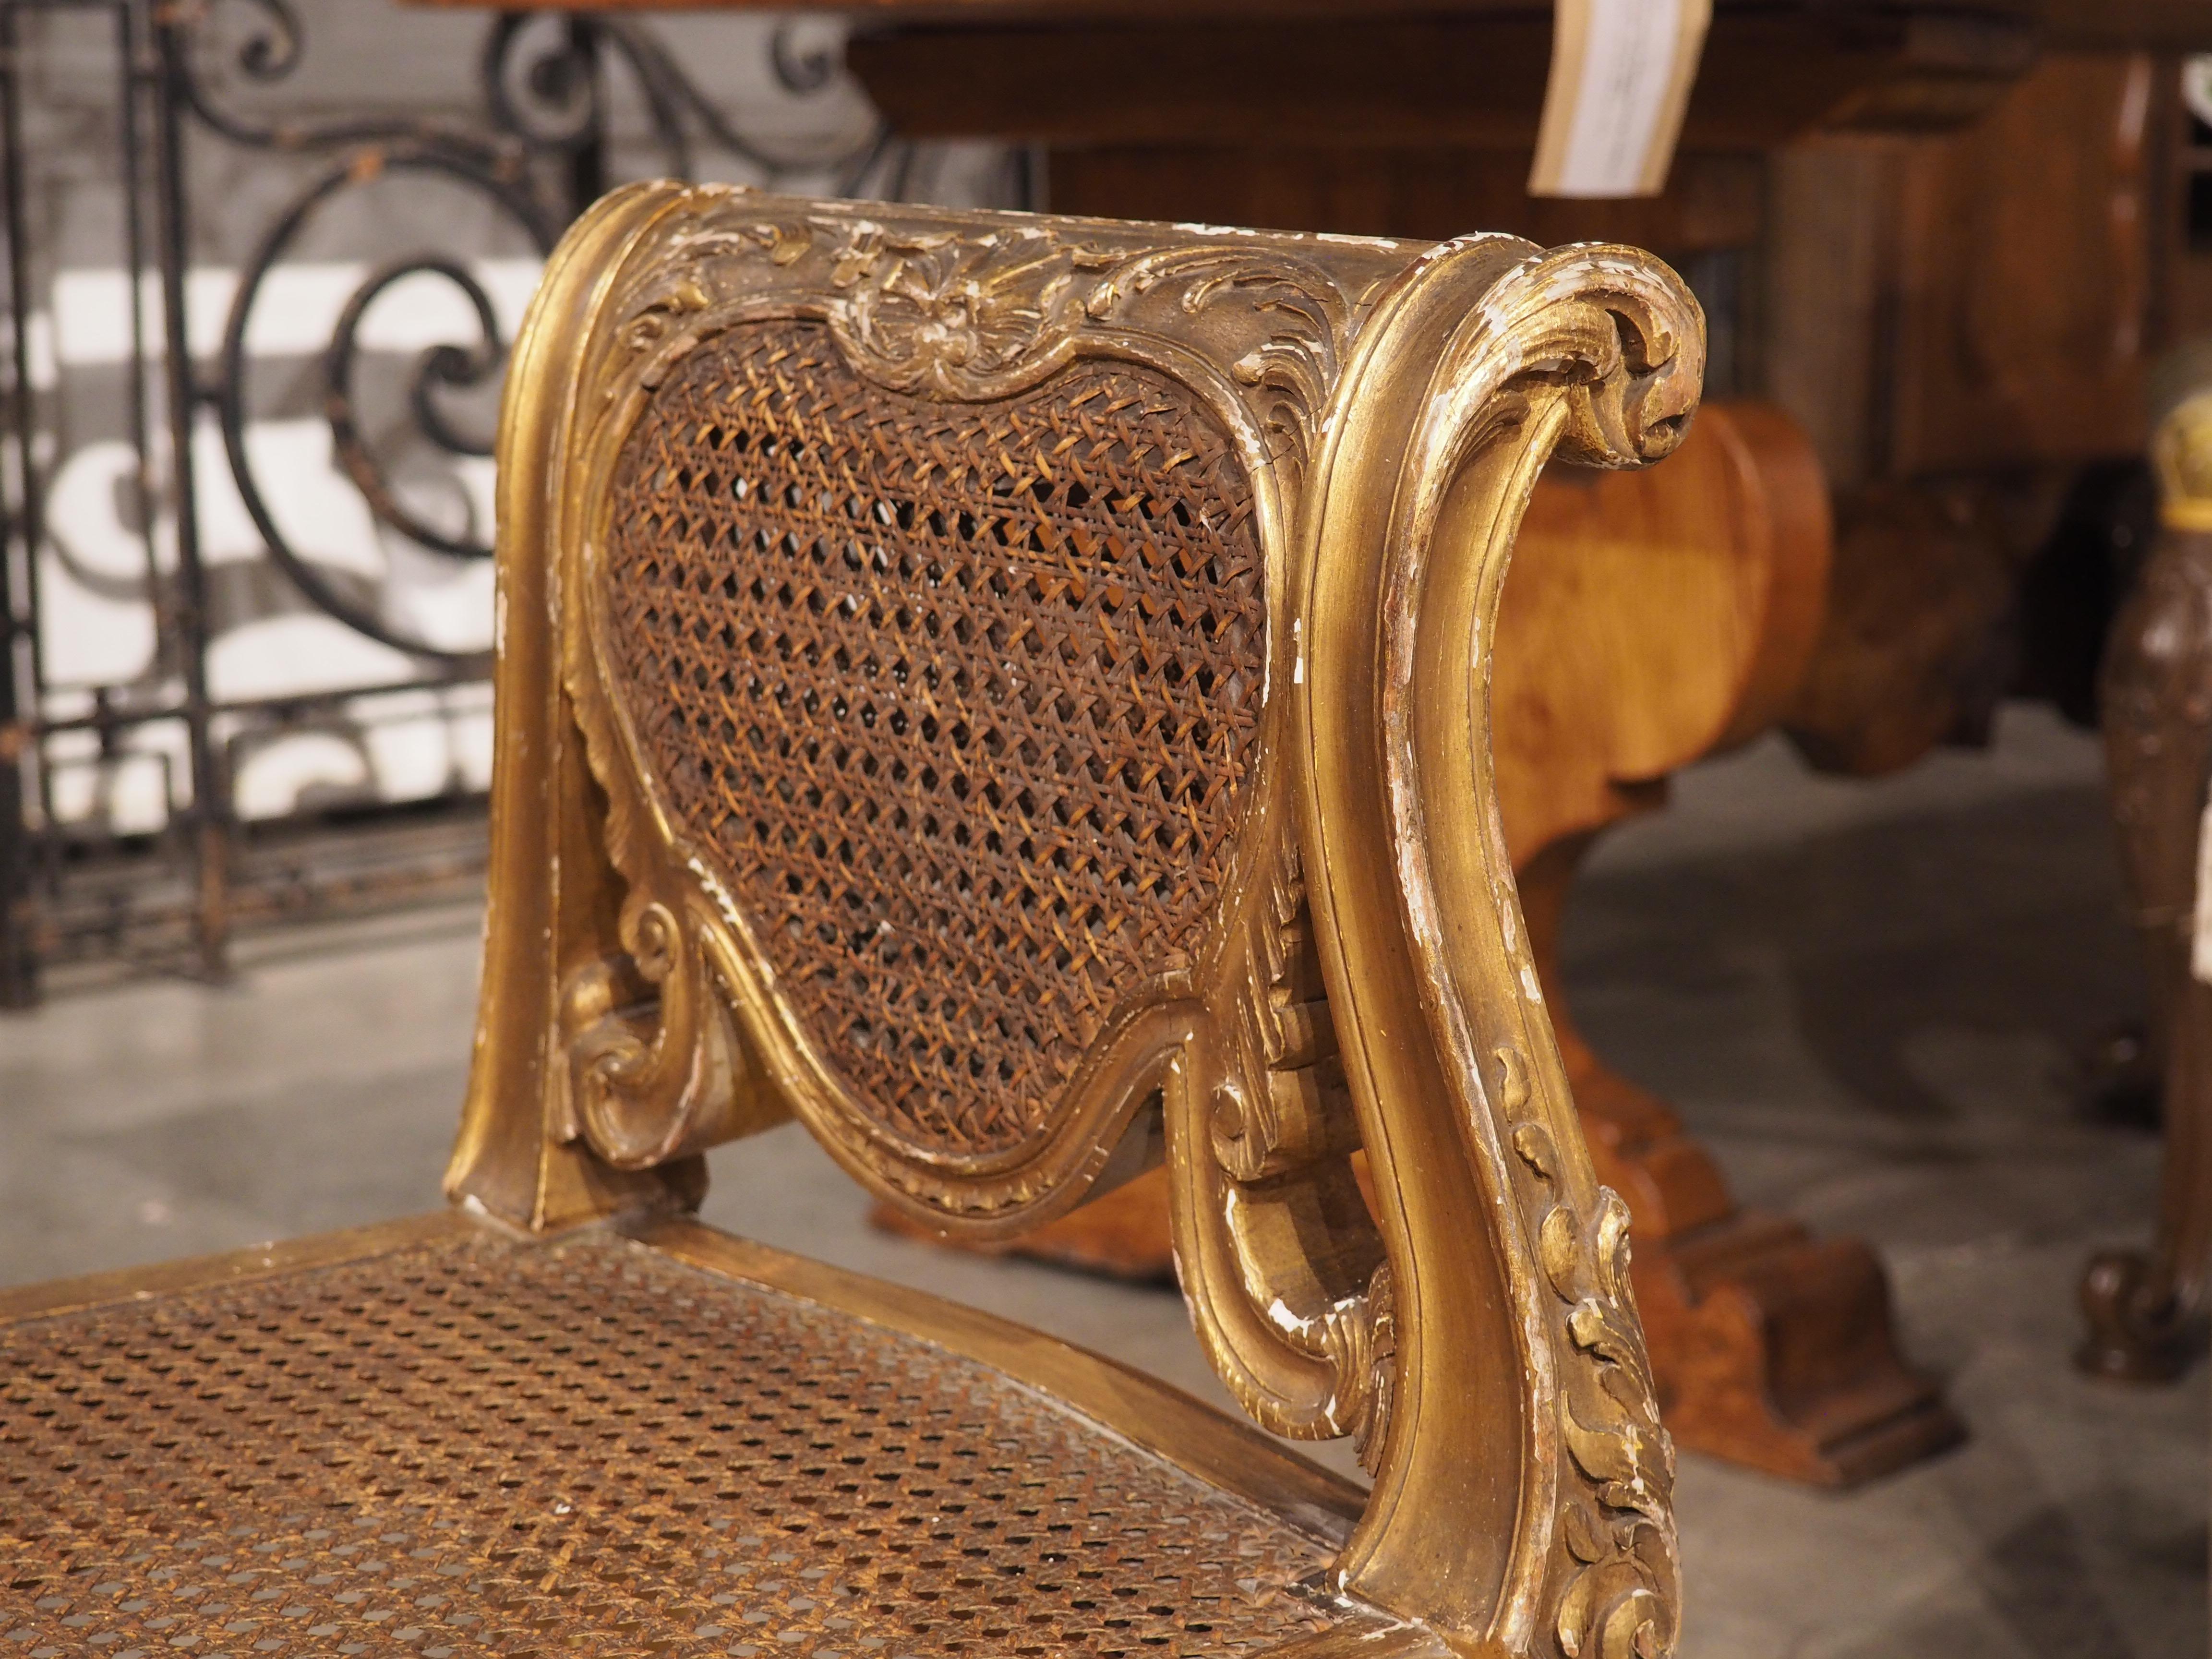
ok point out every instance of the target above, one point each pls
(1772, 1348)
(2157, 709)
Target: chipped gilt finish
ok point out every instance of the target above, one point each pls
(1011, 693)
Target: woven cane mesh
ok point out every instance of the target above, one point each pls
(485, 1447)
(961, 696)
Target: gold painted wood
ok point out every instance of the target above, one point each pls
(1651, 617)
(1219, 1450)
(1463, 1109)
(1361, 977)
(445, 1435)
(274, 1259)
(891, 600)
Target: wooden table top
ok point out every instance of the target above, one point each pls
(2175, 25)
(1085, 13)
(1364, 72)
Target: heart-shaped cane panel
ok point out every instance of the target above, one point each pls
(960, 699)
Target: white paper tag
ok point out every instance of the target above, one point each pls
(1621, 73)
(2196, 85)
(2200, 923)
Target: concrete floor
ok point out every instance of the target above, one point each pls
(1866, 998)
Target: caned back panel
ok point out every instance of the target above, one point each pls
(962, 700)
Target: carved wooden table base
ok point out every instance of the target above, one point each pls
(1772, 1348)
(1650, 619)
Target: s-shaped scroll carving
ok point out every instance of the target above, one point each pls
(1517, 1343)
(1280, 1260)
(656, 1067)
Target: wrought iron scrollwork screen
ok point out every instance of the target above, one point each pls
(287, 462)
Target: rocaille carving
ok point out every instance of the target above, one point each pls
(961, 700)
(1031, 406)
(1276, 1211)
(1027, 664)
(1617, 1521)
(975, 313)
(656, 1067)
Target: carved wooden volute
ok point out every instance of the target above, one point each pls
(1017, 702)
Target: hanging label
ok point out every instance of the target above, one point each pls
(1621, 73)
(2196, 85)
(2200, 923)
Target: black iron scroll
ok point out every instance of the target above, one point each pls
(538, 153)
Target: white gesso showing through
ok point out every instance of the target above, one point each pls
(96, 624)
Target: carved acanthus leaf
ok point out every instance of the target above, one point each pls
(1615, 1516)
(973, 313)
(655, 1066)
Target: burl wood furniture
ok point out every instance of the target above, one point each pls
(2158, 749)
(1013, 693)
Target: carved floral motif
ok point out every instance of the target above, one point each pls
(1616, 1517)
(1492, 354)
(975, 312)
(936, 309)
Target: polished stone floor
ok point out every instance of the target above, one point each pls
(1867, 998)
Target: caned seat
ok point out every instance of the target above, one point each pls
(1011, 693)
(445, 1440)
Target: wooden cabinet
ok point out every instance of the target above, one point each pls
(1965, 325)
(2181, 239)
(1990, 299)
(2023, 274)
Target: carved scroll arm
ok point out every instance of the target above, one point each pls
(1518, 1346)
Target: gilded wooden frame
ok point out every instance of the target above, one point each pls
(1392, 404)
